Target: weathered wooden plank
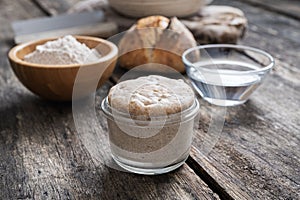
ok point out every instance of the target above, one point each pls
(42, 156)
(54, 7)
(51, 162)
(289, 8)
(12, 176)
(257, 153)
(254, 177)
(62, 6)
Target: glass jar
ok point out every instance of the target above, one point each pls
(150, 146)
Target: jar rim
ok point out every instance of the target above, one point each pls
(182, 116)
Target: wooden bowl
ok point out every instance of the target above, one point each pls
(55, 82)
(168, 8)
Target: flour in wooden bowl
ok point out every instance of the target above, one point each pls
(63, 51)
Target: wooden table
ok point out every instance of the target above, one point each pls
(257, 155)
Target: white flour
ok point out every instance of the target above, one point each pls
(63, 51)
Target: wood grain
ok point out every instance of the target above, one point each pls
(258, 151)
(54, 7)
(290, 8)
(42, 156)
(257, 155)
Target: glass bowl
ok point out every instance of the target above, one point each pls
(224, 74)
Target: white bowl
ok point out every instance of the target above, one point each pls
(168, 8)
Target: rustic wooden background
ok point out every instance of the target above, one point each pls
(256, 157)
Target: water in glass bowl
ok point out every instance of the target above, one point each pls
(221, 82)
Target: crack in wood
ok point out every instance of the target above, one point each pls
(42, 8)
(209, 180)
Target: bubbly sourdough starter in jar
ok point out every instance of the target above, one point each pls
(151, 122)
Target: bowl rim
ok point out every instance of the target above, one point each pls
(138, 2)
(12, 54)
(234, 46)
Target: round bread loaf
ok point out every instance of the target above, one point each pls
(155, 39)
(151, 96)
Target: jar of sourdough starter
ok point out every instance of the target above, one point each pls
(151, 121)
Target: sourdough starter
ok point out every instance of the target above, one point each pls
(158, 131)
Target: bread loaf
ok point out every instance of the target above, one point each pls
(155, 39)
